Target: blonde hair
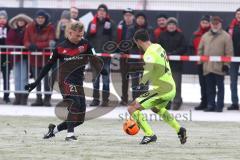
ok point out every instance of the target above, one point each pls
(58, 30)
(74, 25)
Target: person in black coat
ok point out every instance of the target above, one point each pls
(102, 30)
(5, 60)
(234, 31)
(173, 41)
(124, 26)
(135, 66)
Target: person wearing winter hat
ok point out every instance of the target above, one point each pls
(161, 26)
(172, 20)
(18, 20)
(3, 17)
(136, 65)
(128, 10)
(42, 18)
(5, 59)
(142, 23)
(234, 31)
(141, 19)
(103, 7)
(122, 35)
(205, 18)
(204, 26)
(215, 42)
(101, 30)
(15, 37)
(40, 34)
(173, 41)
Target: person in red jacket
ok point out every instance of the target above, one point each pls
(40, 34)
(15, 37)
(161, 26)
(204, 26)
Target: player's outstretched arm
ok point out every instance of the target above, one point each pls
(45, 70)
(29, 87)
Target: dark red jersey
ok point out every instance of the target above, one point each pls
(73, 58)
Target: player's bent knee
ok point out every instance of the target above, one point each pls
(133, 107)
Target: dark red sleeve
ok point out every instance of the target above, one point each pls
(27, 34)
(10, 37)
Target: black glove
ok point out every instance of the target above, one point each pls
(32, 47)
(141, 86)
(30, 87)
(225, 68)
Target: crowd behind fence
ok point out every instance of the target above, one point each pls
(25, 43)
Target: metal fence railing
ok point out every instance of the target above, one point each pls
(18, 65)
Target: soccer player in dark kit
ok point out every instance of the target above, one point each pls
(74, 53)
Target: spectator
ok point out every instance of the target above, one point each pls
(101, 30)
(204, 26)
(40, 34)
(15, 37)
(123, 29)
(61, 35)
(136, 65)
(173, 41)
(141, 23)
(234, 31)
(61, 26)
(5, 59)
(74, 13)
(161, 26)
(215, 42)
